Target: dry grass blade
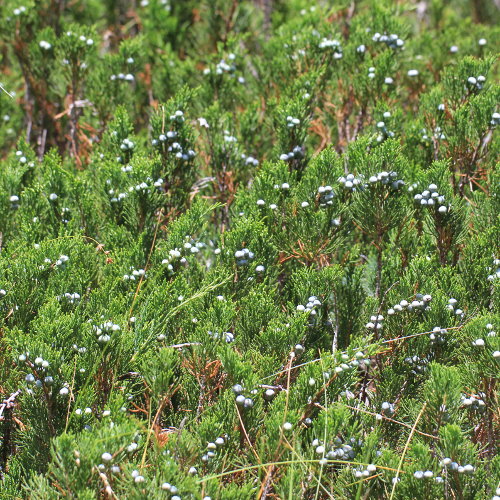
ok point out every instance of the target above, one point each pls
(405, 449)
(6, 91)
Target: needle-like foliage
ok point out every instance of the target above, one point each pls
(249, 249)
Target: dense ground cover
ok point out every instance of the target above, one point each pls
(249, 249)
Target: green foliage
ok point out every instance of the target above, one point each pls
(249, 249)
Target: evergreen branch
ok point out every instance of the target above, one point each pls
(205, 290)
